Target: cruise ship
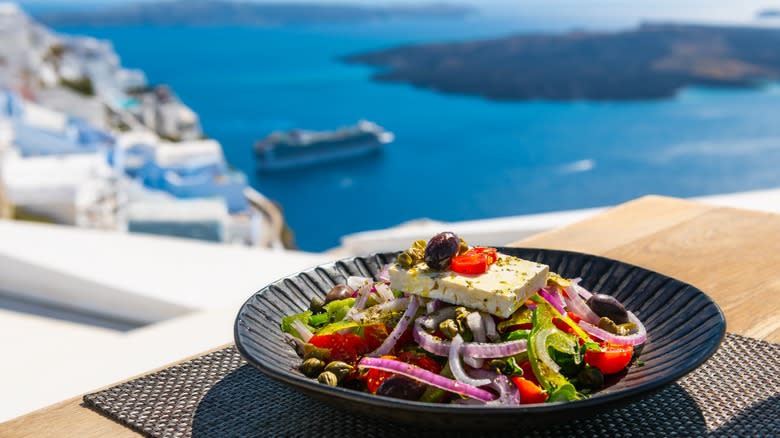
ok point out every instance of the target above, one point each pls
(300, 148)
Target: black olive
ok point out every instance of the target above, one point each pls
(339, 292)
(401, 387)
(590, 377)
(441, 249)
(607, 306)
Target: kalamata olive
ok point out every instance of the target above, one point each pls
(590, 377)
(607, 306)
(441, 249)
(339, 292)
(401, 387)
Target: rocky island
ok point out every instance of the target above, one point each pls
(243, 13)
(650, 62)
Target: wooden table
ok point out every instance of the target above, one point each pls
(733, 255)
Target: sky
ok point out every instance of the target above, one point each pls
(707, 10)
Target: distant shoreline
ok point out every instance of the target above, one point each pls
(653, 61)
(214, 13)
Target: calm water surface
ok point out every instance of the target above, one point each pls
(455, 157)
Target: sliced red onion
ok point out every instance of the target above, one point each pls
(431, 322)
(360, 302)
(577, 305)
(633, 339)
(509, 395)
(428, 342)
(304, 333)
(584, 293)
(384, 274)
(541, 349)
(384, 292)
(554, 299)
(457, 368)
(358, 282)
(433, 305)
(392, 306)
(474, 321)
(473, 362)
(440, 347)
(490, 326)
(399, 329)
(490, 351)
(425, 376)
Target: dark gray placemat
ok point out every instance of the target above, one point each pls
(736, 393)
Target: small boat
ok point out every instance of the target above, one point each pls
(300, 148)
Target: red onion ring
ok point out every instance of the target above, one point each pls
(425, 376)
(440, 347)
(457, 368)
(399, 329)
(634, 339)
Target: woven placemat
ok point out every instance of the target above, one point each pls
(735, 393)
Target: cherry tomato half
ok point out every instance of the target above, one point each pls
(375, 335)
(474, 261)
(346, 348)
(612, 360)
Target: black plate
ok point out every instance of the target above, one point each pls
(684, 329)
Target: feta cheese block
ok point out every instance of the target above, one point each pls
(500, 291)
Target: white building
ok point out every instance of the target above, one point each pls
(75, 190)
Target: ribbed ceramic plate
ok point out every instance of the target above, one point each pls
(684, 328)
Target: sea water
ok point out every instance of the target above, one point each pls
(455, 157)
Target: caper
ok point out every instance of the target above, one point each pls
(618, 329)
(312, 366)
(405, 260)
(461, 313)
(605, 305)
(340, 369)
(418, 254)
(328, 378)
(315, 304)
(441, 249)
(401, 387)
(591, 377)
(310, 351)
(449, 328)
(419, 244)
(338, 292)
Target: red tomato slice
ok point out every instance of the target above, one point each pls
(528, 372)
(491, 253)
(474, 261)
(612, 360)
(529, 391)
(375, 335)
(469, 264)
(421, 361)
(346, 348)
(405, 339)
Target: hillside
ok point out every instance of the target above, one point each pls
(652, 61)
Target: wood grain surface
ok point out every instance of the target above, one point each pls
(732, 255)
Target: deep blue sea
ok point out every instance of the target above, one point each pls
(455, 157)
